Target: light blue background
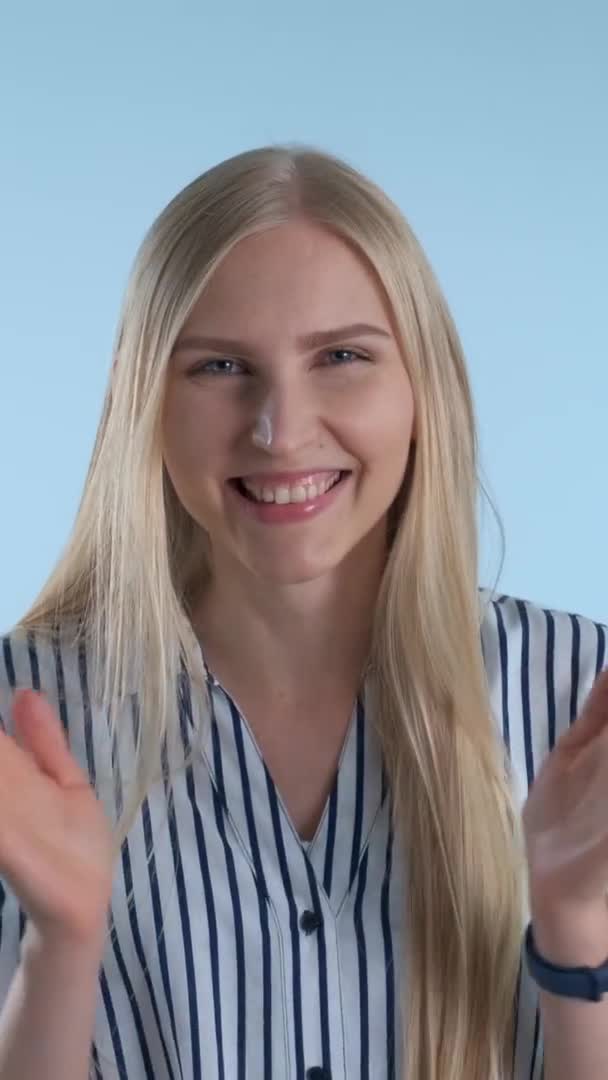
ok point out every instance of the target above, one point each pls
(486, 123)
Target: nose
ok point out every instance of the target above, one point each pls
(291, 416)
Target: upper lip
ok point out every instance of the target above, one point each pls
(292, 477)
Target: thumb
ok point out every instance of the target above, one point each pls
(40, 732)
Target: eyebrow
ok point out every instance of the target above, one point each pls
(313, 340)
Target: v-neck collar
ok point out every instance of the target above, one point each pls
(260, 818)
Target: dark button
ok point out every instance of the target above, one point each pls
(309, 922)
(318, 1072)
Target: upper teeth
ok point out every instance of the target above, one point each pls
(284, 493)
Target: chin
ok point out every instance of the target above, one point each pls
(293, 571)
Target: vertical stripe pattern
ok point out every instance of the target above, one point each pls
(240, 951)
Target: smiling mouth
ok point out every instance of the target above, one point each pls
(284, 494)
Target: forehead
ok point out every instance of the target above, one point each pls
(299, 275)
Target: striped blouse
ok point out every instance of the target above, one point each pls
(277, 958)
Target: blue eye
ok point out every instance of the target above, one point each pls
(352, 353)
(221, 366)
(227, 366)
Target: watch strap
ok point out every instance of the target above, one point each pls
(587, 984)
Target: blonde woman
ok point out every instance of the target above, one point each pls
(266, 782)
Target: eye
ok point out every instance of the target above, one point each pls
(346, 356)
(219, 366)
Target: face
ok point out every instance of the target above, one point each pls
(269, 339)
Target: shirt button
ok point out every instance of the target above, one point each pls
(309, 922)
(318, 1072)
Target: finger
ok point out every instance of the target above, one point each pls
(592, 719)
(41, 734)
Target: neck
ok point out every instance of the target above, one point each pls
(295, 643)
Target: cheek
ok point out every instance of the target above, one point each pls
(195, 445)
(381, 432)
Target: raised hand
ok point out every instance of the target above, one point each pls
(55, 838)
(565, 820)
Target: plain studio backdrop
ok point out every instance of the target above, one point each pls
(487, 125)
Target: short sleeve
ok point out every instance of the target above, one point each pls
(541, 664)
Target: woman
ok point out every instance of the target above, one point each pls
(309, 732)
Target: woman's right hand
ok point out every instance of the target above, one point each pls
(55, 838)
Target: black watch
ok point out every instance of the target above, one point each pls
(587, 984)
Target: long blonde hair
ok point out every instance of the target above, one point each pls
(134, 558)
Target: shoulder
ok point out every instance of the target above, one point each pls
(563, 647)
(541, 664)
(52, 664)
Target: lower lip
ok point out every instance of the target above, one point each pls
(286, 513)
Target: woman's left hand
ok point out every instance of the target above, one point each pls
(565, 820)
